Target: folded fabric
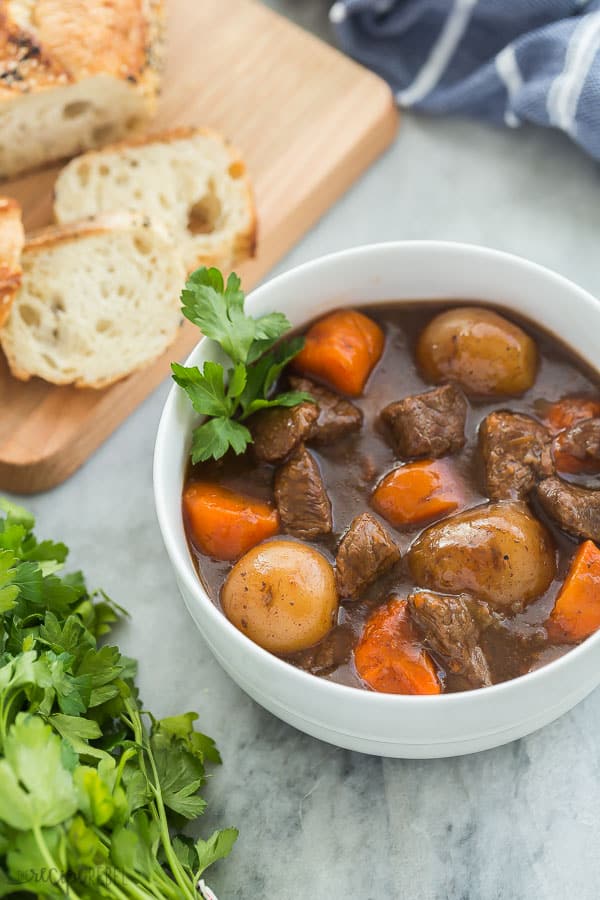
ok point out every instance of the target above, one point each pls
(507, 61)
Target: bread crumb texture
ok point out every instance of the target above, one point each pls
(98, 300)
(190, 179)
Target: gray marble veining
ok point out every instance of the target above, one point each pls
(522, 821)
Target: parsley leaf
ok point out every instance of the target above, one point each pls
(213, 439)
(36, 789)
(290, 399)
(269, 328)
(219, 312)
(238, 376)
(9, 591)
(16, 514)
(205, 389)
(198, 744)
(258, 360)
(218, 846)
(180, 774)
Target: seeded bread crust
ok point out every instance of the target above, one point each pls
(11, 244)
(74, 52)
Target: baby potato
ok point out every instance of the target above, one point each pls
(282, 595)
(480, 350)
(498, 552)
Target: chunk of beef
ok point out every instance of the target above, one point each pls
(333, 651)
(430, 424)
(278, 431)
(337, 416)
(301, 498)
(365, 552)
(517, 453)
(576, 509)
(577, 449)
(451, 632)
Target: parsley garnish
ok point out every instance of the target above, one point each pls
(257, 355)
(93, 791)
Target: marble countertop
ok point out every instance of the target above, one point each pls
(522, 821)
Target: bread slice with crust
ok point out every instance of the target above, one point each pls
(99, 299)
(189, 178)
(75, 75)
(11, 245)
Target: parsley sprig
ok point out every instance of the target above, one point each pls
(93, 790)
(228, 397)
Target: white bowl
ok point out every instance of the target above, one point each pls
(387, 724)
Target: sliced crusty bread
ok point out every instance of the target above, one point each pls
(99, 299)
(75, 75)
(11, 245)
(189, 178)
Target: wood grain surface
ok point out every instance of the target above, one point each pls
(308, 121)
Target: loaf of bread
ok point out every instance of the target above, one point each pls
(74, 74)
(11, 245)
(189, 178)
(98, 300)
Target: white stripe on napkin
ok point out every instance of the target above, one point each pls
(337, 13)
(564, 94)
(441, 53)
(508, 70)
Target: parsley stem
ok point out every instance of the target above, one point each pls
(132, 890)
(5, 702)
(178, 873)
(166, 884)
(162, 887)
(7, 709)
(51, 863)
(152, 889)
(161, 816)
(125, 757)
(117, 892)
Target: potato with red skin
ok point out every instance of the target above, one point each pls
(498, 552)
(282, 595)
(486, 354)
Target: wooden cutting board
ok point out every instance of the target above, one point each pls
(308, 121)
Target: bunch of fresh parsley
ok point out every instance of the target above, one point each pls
(92, 789)
(257, 355)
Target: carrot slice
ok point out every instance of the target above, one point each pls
(418, 492)
(569, 411)
(576, 612)
(389, 656)
(341, 350)
(223, 524)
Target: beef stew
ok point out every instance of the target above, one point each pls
(437, 497)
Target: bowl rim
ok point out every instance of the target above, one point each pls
(181, 558)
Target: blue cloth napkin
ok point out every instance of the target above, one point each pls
(507, 61)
